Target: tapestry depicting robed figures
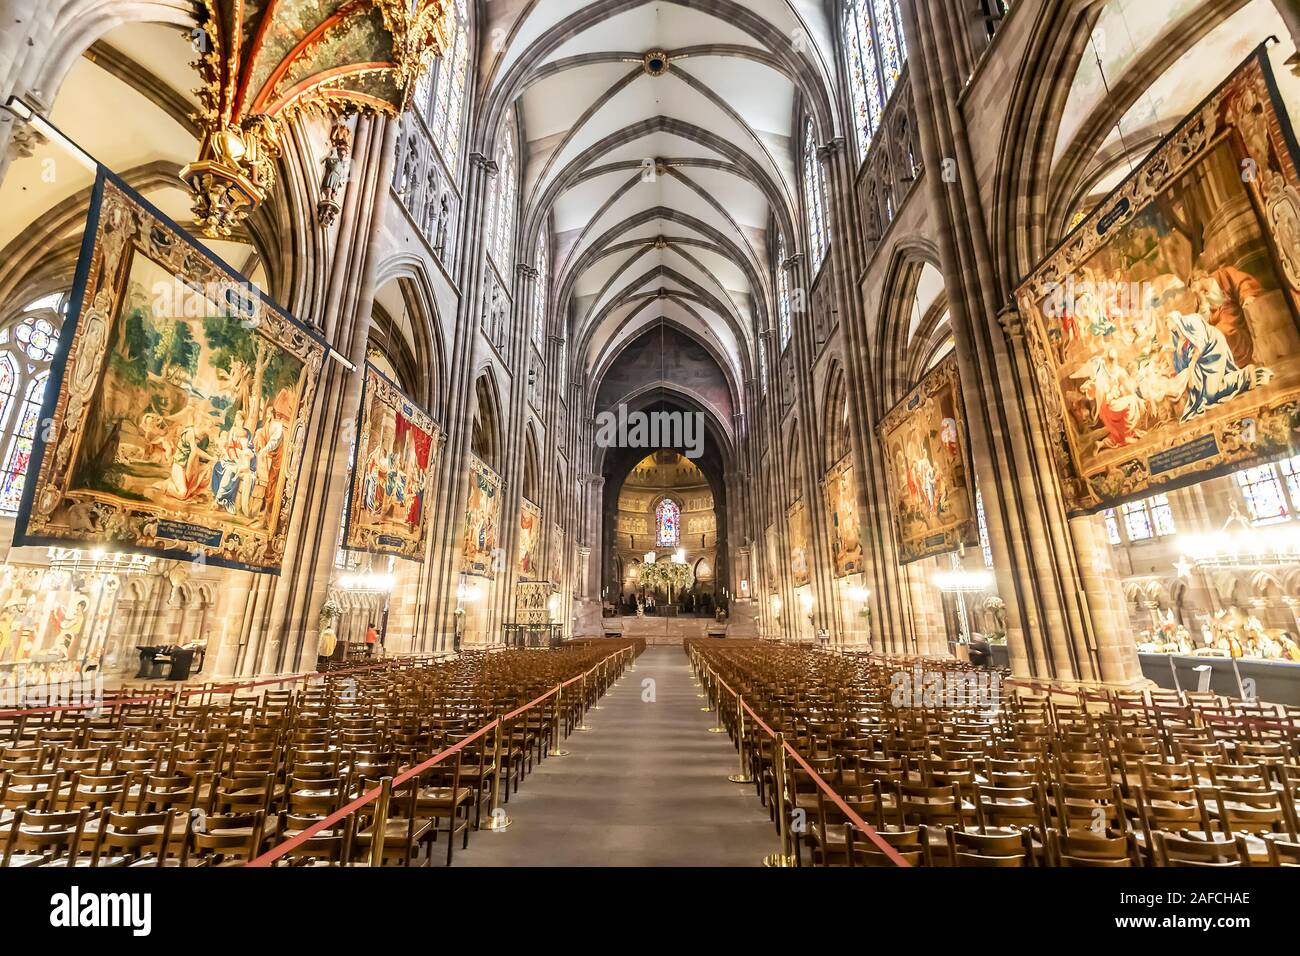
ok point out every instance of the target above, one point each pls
(800, 559)
(481, 520)
(842, 508)
(530, 537)
(179, 401)
(928, 467)
(1164, 328)
(397, 448)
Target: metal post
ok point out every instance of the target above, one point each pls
(582, 711)
(556, 750)
(783, 858)
(379, 829)
(743, 776)
(498, 820)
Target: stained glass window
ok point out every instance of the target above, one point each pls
(1112, 526)
(1268, 500)
(19, 451)
(783, 293)
(814, 194)
(668, 520)
(762, 365)
(449, 85)
(984, 529)
(27, 345)
(501, 209)
(875, 52)
(539, 297)
(1150, 518)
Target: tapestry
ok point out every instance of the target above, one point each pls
(842, 508)
(800, 558)
(397, 448)
(1163, 330)
(773, 557)
(480, 550)
(928, 467)
(555, 556)
(530, 532)
(532, 602)
(54, 623)
(178, 402)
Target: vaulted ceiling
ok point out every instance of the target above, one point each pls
(659, 151)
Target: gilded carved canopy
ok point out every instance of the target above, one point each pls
(261, 60)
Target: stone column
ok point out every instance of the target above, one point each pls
(1056, 626)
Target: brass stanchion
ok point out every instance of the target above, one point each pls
(556, 750)
(717, 727)
(596, 705)
(379, 828)
(743, 776)
(708, 694)
(582, 712)
(783, 858)
(498, 820)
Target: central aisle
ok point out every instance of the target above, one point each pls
(647, 786)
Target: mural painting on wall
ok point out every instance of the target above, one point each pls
(530, 533)
(54, 624)
(800, 558)
(1164, 328)
(397, 448)
(178, 403)
(842, 506)
(481, 520)
(928, 467)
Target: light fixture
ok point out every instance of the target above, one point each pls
(650, 557)
(859, 595)
(806, 600)
(776, 604)
(1245, 546)
(962, 581)
(24, 111)
(99, 561)
(372, 583)
(467, 593)
(680, 556)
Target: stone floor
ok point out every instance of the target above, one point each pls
(647, 786)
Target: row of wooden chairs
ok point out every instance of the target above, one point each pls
(221, 781)
(1000, 767)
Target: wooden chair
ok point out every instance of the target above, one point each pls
(1176, 850)
(913, 845)
(989, 850)
(41, 838)
(1088, 849)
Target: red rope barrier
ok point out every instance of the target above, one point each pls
(881, 843)
(279, 851)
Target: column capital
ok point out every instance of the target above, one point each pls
(526, 271)
(1011, 321)
(830, 147)
(792, 261)
(485, 163)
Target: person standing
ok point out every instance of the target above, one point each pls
(372, 635)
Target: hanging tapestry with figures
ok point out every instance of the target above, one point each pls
(178, 402)
(397, 448)
(800, 557)
(842, 509)
(530, 536)
(1164, 328)
(928, 468)
(480, 549)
